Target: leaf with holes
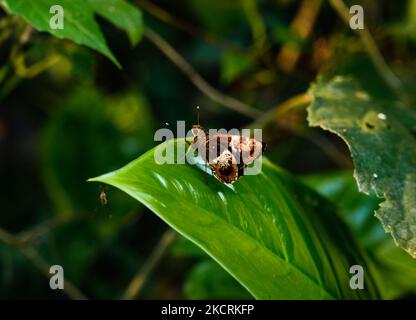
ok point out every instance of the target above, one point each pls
(277, 237)
(382, 147)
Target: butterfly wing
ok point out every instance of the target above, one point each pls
(225, 167)
(228, 155)
(247, 149)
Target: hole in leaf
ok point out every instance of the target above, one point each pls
(369, 125)
(374, 121)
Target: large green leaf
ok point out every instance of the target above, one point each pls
(79, 21)
(382, 147)
(398, 269)
(278, 238)
(357, 209)
(207, 280)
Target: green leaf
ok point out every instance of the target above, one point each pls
(382, 147)
(207, 280)
(278, 238)
(123, 15)
(80, 25)
(186, 249)
(398, 269)
(233, 65)
(356, 208)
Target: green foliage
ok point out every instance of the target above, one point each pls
(395, 265)
(233, 65)
(207, 280)
(122, 14)
(67, 114)
(217, 16)
(285, 242)
(80, 25)
(357, 209)
(382, 147)
(91, 131)
(82, 137)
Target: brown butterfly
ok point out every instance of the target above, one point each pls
(227, 155)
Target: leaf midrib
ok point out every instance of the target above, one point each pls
(274, 254)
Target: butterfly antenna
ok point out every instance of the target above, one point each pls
(197, 114)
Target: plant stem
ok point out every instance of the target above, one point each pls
(32, 255)
(137, 283)
(302, 26)
(276, 113)
(196, 78)
(184, 26)
(373, 51)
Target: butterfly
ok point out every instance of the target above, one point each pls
(227, 155)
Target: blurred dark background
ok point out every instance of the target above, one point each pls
(82, 117)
